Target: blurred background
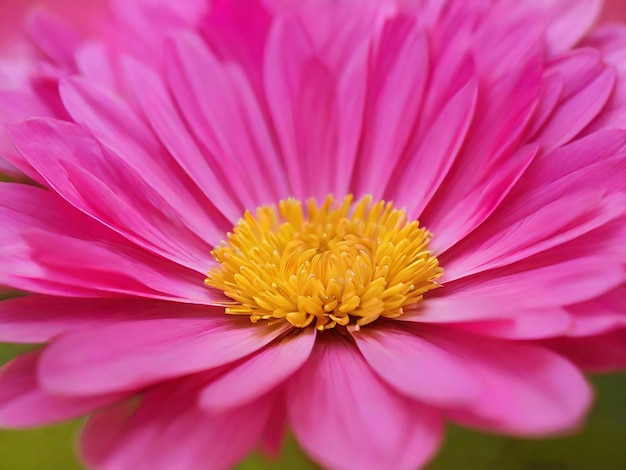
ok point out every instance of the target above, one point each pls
(600, 446)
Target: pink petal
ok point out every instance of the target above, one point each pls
(614, 10)
(117, 126)
(49, 247)
(602, 353)
(416, 181)
(39, 318)
(122, 440)
(18, 105)
(490, 296)
(298, 88)
(75, 165)
(549, 206)
(528, 390)
(98, 267)
(139, 353)
(507, 98)
(416, 367)
(238, 30)
(258, 374)
(483, 200)
(226, 116)
(568, 20)
(345, 418)
(23, 403)
(160, 110)
(527, 324)
(274, 435)
(142, 27)
(552, 225)
(56, 37)
(398, 76)
(599, 315)
(570, 282)
(578, 111)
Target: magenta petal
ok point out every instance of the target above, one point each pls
(346, 418)
(418, 368)
(137, 353)
(258, 374)
(23, 403)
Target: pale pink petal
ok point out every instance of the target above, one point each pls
(121, 439)
(418, 368)
(259, 374)
(345, 418)
(23, 403)
(94, 62)
(139, 353)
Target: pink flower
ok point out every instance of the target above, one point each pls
(497, 125)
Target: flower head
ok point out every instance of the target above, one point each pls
(353, 219)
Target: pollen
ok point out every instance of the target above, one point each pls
(339, 263)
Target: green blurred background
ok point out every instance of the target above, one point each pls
(601, 445)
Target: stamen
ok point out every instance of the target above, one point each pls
(332, 264)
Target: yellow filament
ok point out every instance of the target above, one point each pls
(337, 263)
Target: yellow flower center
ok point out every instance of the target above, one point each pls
(337, 263)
